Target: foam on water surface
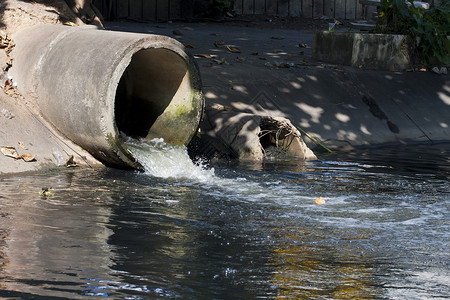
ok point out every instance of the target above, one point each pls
(162, 160)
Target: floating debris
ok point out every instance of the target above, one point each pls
(319, 201)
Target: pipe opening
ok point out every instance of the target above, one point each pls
(147, 86)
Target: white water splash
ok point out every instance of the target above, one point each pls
(167, 161)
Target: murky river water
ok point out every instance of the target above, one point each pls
(232, 232)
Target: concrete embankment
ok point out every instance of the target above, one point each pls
(341, 107)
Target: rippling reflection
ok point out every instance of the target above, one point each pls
(252, 231)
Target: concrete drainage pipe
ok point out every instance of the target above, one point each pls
(92, 84)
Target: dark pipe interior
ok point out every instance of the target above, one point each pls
(146, 88)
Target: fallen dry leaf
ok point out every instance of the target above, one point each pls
(220, 61)
(188, 28)
(204, 55)
(277, 38)
(177, 32)
(8, 85)
(241, 59)
(70, 163)
(68, 23)
(253, 53)
(9, 61)
(217, 44)
(188, 46)
(303, 45)
(22, 145)
(218, 106)
(233, 49)
(28, 157)
(319, 200)
(10, 152)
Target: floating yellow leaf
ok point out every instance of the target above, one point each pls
(319, 200)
